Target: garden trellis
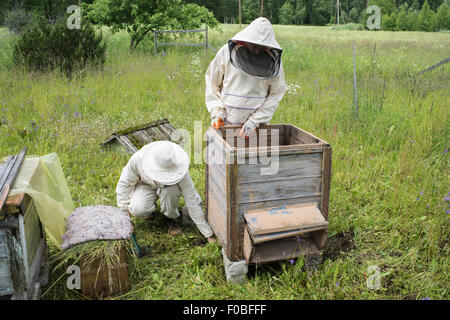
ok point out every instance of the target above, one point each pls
(204, 44)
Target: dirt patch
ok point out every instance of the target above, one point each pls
(338, 244)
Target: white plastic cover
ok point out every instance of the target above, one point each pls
(42, 178)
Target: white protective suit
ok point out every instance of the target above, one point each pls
(235, 95)
(137, 193)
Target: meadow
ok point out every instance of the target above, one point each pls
(390, 192)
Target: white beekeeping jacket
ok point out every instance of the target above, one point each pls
(133, 173)
(236, 95)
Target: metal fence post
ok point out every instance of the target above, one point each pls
(155, 40)
(354, 79)
(206, 39)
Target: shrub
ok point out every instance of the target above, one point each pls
(45, 47)
(349, 26)
(353, 15)
(388, 22)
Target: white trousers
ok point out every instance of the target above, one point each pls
(143, 200)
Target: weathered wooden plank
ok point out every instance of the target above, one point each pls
(205, 202)
(33, 231)
(276, 190)
(6, 285)
(235, 225)
(217, 180)
(293, 166)
(284, 218)
(17, 258)
(282, 249)
(217, 218)
(172, 133)
(140, 137)
(260, 138)
(303, 135)
(147, 137)
(280, 150)
(274, 203)
(10, 174)
(9, 222)
(320, 237)
(326, 180)
(217, 195)
(14, 200)
(215, 136)
(247, 246)
(36, 264)
(127, 144)
(24, 250)
(216, 150)
(294, 141)
(284, 234)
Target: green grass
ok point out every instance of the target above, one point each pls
(390, 165)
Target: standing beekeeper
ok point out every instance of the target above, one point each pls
(160, 169)
(245, 81)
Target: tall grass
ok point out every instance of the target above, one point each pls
(389, 193)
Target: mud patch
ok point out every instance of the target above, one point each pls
(339, 244)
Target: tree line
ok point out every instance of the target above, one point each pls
(416, 15)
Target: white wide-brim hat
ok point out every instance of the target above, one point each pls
(165, 162)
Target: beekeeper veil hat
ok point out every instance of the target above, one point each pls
(266, 63)
(165, 162)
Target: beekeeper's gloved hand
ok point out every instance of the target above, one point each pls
(247, 128)
(217, 122)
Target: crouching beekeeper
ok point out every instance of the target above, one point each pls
(160, 169)
(245, 81)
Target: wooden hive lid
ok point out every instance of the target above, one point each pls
(297, 217)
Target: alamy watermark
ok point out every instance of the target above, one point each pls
(260, 148)
(374, 21)
(374, 280)
(74, 280)
(74, 20)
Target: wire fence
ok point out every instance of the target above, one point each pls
(204, 44)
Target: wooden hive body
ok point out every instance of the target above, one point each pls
(23, 250)
(235, 186)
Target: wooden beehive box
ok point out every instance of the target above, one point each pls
(23, 250)
(100, 281)
(239, 189)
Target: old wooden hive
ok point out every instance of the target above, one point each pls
(267, 196)
(23, 248)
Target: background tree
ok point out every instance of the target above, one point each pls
(353, 15)
(426, 18)
(141, 17)
(402, 21)
(443, 17)
(286, 14)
